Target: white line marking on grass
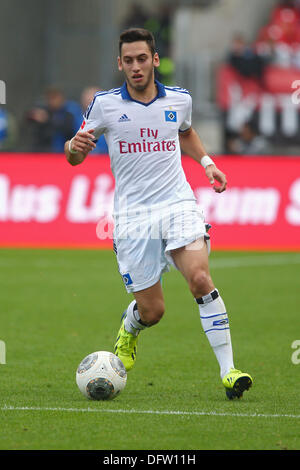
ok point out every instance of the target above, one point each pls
(150, 412)
(277, 259)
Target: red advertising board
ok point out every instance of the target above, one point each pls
(45, 202)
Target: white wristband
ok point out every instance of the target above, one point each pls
(206, 160)
(70, 147)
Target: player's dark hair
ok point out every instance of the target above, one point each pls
(137, 34)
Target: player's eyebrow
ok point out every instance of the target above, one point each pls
(139, 56)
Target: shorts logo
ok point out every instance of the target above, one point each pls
(82, 125)
(171, 116)
(127, 279)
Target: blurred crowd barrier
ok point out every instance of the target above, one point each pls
(258, 86)
(45, 202)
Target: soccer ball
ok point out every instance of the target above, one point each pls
(101, 376)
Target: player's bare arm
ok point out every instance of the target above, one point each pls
(79, 146)
(191, 144)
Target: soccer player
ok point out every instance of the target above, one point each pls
(156, 219)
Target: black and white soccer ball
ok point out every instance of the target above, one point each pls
(101, 376)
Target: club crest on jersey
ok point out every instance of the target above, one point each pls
(171, 116)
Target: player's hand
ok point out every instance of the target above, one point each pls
(214, 174)
(83, 141)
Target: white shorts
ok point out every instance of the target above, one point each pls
(143, 243)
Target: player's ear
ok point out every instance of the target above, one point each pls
(120, 64)
(156, 61)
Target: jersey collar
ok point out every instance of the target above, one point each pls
(161, 92)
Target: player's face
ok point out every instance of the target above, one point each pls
(137, 63)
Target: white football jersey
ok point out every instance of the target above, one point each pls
(143, 144)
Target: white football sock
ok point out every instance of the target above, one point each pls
(215, 324)
(132, 322)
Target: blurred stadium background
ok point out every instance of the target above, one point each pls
(240, 60)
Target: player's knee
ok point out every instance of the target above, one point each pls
(200, 283)
(153, 313)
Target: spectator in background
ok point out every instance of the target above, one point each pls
(8, 131)
(280, 37)
(51, 123)
(87, 96)
(160, 25)
(244, 59)
(249, 142)
(137, 16)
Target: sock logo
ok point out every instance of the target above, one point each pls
(224, 321)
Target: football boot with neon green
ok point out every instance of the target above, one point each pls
(236, 383)
(126, 346)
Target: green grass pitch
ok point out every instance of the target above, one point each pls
(57, 306)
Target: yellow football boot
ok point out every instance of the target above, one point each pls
(235, 383)
(126, 346)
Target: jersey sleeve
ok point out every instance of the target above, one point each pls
(187, 120)
(93, 118)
